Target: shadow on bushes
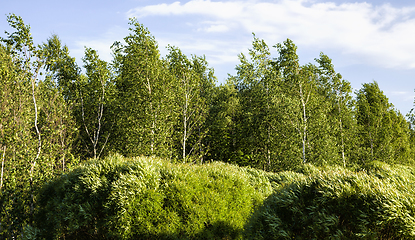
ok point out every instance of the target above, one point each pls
(220, 230)
(335, 203)
(148, 198)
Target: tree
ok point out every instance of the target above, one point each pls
(283, 109)
(145, 108)
(221, 140)
(61, 83)
(57, 125)
(24, 54)
(298, 86)
(193, 81)
(384, 133)
(35, 127)
(304, 110)
(87, 95)
(256, 84)
(95, 90)
(17, 144)
(62, 68)
(338, 93)
(411, 120)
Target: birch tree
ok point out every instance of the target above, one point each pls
(383, 132)
(338, 92)
(192, 81)
(18, 145)
(61, 93)
(304, 109)
(145, 112)
(95, 90)
(30, 107)
(26, 56)
(257, 85)
(297, 92)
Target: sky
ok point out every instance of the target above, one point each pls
(368, 41)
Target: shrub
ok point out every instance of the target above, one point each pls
(335, 203)
(148, 198)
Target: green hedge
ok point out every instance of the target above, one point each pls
(148, 198)
(333, 203)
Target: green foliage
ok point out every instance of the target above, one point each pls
(253, 121)
(149, 198)
(120, 198)
(340, 125)
(290, 114)
(36, 128)
(61, 67)
(95, 100)
(193, 82)
(335, 203)
(146, 111)
(275, 114)
(17, 144)
(221, 140)
(383, 131)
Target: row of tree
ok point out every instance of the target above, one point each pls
(274, 114)
(284, 114)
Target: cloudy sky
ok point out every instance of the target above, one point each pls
(367, 40)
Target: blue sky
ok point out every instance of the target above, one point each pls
(367, 40)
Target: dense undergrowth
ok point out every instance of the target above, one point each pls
(150, 198)
(376, 202)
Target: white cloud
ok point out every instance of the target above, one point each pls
(102, 44)
(102, 47)
(402, 100)
(224, 10)
(218, 28)
(405, 96)
(380, 35)
(220, 52)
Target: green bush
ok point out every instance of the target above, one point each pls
(148, 198)
(334, 203)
